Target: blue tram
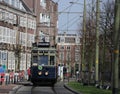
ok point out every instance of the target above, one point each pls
(43, 64)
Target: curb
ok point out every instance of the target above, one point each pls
(70, 89)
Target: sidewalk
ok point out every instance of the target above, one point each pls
(5, 89)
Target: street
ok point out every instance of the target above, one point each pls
(30, 89)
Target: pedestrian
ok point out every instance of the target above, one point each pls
(7, 79)
(29, 74)
(16, 77)
(12, 76)
(2, 74)
(22, 75)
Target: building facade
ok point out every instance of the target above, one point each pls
(17, 33)
(47, 18)
(46, 12)
(22, 22)
(68, 52)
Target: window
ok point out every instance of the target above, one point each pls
(14, 19)
(6, 16)
(22, 40)
(68, 56)
(43, 60)
(34, 22)
(30, 39)
(11, 60)
(42, 17)
(62, 47)
(11, 18)
(52, 60)
(12, 36)
(69, 40)
(68, 47)
(43, 3)
(29, 60)
(4, 56)
(8, 35)
(45, 19)
(30, 23)
(1, 33)
(0, 14)
(58, 39)
(61, 56)
(13, 2)
(23, 61)
(62, 39)
(4, 34)
(17, 4)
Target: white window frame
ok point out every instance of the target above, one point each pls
(43, 3)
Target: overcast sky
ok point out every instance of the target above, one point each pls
(69, 15)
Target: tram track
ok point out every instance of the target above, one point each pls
(58, 88)
(30, 89)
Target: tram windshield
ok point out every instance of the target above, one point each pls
(40, 60)
(43, 60)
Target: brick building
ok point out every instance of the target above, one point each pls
(46, 12)
(17, 33)
(47, 19)
(68, 51)
(23, 22)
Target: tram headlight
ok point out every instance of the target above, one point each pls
(46, 73)
(40, 73)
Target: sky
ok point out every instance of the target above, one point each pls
(70, 15)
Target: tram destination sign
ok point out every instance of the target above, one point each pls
(46, 44)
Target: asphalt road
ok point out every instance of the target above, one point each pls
(30, 89)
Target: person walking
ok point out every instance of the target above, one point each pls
(2, 74)
(29, 74)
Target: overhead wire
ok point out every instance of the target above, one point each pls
(70, 20)
(70, 25)
(58, 1)
(68, 13)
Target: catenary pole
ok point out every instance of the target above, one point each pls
(97, 42)
(115, 68)
(83, 44)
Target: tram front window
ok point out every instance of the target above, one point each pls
(43, 60)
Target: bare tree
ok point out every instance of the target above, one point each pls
(106, 38)
(105, 44)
